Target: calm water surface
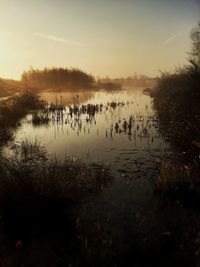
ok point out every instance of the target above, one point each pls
(122, 132)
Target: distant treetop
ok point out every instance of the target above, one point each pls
(57, 78)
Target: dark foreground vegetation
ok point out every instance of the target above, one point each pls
(44, 221)
(39, 198)
(51, 215)
(177, 102)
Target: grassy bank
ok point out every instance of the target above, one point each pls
(9, 87)
(14, 109)
(39, 198)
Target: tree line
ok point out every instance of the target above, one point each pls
(135, 80)
(57, 78)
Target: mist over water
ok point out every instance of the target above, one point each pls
(118, 129)
(99, 133)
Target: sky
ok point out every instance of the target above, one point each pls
(114, 38)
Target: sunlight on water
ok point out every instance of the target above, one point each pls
(117, 128)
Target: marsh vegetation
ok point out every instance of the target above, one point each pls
(92, 177)
(177, 102)
(14, 109)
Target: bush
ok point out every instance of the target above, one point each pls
(177, 103)
(14, 109)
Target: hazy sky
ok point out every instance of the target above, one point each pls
(103, 37)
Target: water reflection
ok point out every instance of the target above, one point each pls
(119, 129)
(66, 98)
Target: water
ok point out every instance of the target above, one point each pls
(123, 132)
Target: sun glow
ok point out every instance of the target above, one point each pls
(73, 34)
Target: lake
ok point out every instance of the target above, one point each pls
(118, 129)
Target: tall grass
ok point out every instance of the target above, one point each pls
(30, 173)
(14, 109)
(177, 102)
(30, 150)
(38, 200)
(180, 182)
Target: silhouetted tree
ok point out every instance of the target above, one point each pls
(195, 36)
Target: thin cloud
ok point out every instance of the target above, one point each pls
(171, 38)
(58, 39)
